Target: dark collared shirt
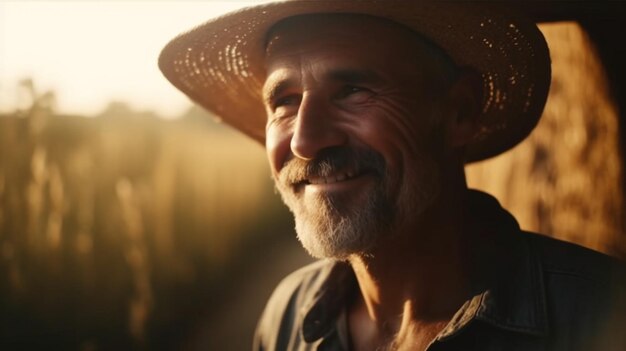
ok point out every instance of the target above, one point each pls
(556, 296)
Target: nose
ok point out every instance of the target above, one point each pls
(316, 129)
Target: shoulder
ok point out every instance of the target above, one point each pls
(585, 292)
(279, 323)
(560, 259)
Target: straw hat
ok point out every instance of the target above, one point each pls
(220, 64)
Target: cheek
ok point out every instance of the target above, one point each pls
(409, 124)
(277, 146)
(393, 130)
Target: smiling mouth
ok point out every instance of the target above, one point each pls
(335, 178)
(331, 179)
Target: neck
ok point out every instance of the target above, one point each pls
(421, 274)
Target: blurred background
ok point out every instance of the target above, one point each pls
(132, 220)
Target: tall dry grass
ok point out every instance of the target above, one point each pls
(117, 231)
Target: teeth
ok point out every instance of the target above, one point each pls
(330, 179)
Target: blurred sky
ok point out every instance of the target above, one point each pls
(93, 52)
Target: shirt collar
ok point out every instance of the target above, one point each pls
(517, 304)
(320, 314)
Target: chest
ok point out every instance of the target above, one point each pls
(414, 339)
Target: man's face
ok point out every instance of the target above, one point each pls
(353, 137)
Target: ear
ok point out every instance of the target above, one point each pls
(465, 102)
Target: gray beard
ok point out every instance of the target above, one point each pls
(327, 229)
(331, 226)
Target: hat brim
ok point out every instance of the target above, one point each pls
(220, 64)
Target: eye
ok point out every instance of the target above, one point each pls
(285, 106)
(286, 101)
(354, 94)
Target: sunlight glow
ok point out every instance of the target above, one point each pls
(91, 53)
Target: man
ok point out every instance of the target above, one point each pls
(369, 111)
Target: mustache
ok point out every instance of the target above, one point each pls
(331, 161)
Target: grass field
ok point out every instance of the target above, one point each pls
(115, 231)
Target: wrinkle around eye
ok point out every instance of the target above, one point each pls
(282, 114)
(354, 95)
(289, 100)
(284, 107)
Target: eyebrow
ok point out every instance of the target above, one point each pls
(274, 89)
(351, 76)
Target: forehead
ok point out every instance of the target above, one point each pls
(347, 31)
(308, 27)
(353, 41)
